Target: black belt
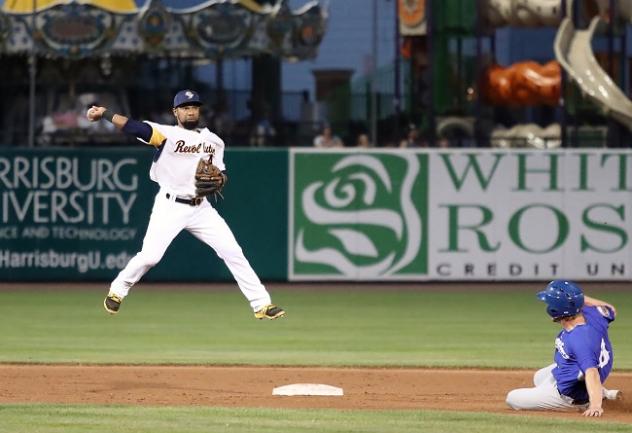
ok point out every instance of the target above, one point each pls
(196, 201)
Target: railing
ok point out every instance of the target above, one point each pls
(294, 134)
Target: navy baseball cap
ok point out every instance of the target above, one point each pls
(186, 97)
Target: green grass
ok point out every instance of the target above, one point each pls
(362, 328)
(93, 419)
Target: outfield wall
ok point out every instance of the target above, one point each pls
(80, 214)
(408, 215)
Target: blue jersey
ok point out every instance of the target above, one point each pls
(585, 346)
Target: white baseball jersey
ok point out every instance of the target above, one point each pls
(178, 153)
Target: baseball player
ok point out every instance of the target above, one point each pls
(583, 355)
(180, 203)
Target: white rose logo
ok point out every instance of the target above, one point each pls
(358, 220)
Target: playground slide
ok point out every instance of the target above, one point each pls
(574, 52)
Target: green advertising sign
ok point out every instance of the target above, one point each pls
(81, 214)
(70, 215)
(350, 214)
(456, 214)
(358, 215)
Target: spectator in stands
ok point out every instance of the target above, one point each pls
(327, 139)
(263, 133)
(412, 138)
(443, 142)
(363, 140)
(221, 121)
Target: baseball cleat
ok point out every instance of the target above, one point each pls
(270, 312)
(112, 303)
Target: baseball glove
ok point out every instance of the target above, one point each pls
(209, 179)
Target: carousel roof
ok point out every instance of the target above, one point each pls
(20, 7)
(173, 28)
(123, 6)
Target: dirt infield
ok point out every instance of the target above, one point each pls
(364, 388)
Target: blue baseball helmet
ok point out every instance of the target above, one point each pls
(563, 299)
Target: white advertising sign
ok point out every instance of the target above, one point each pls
(530, 215)
(460, 215)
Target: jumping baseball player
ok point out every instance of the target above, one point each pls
(583, 355)
(188, 165)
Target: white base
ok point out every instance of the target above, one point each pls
(307, 389)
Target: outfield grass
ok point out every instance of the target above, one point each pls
(361, 328)
(94, 419)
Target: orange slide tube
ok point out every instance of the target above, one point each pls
(522, 84)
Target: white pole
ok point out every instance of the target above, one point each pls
(374, 108)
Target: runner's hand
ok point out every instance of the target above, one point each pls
(593, 411)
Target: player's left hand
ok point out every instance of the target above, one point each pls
(209, 179)
(593, 411)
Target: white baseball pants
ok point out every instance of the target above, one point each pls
(544, 396)
(168, 218)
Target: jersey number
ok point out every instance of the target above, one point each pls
(604, 355)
